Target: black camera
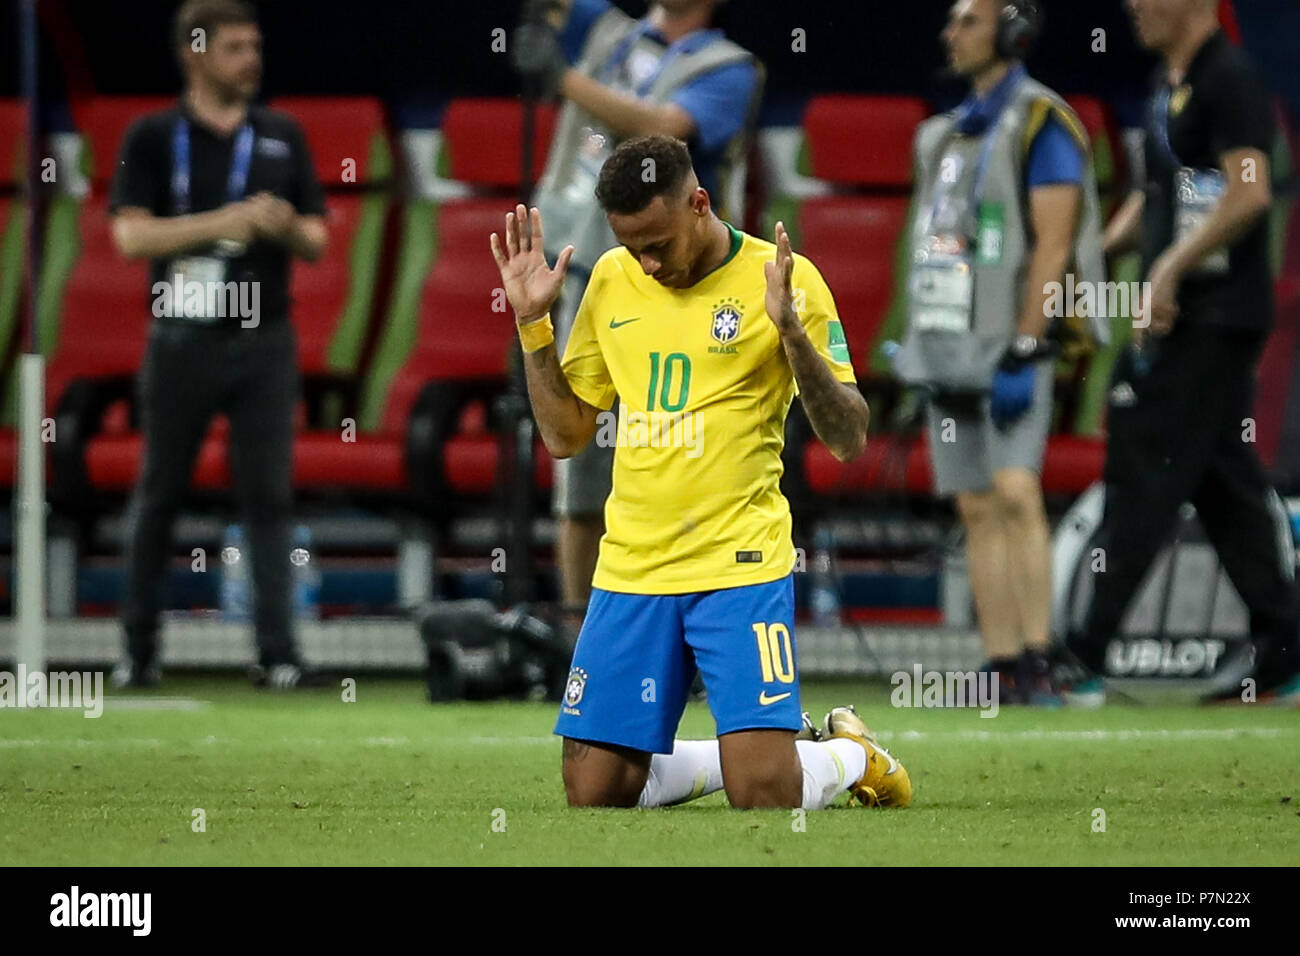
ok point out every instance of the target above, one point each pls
(478, 653)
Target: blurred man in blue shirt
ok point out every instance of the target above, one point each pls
(1006, 206)
(667, 73)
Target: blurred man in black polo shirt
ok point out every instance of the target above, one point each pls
(1181, 400)
(219, 194)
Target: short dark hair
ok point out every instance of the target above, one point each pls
(641, 169)
(207, 15)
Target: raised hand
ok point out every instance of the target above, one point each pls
(780, 297)
(531, 286)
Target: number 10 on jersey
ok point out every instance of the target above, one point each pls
(676, 372)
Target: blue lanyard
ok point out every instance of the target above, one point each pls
(240, 163)
(1160, 123)
(986, 145)
(981, 169)
(687, 44)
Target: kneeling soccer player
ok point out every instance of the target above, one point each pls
(704, 335)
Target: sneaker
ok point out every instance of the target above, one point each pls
(1086, 694)
(1034, 680)
(285, 677)
(1007, 678)
(885, 782)
(1284, 693)
(129, 675)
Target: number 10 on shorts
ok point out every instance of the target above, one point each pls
(775, 652)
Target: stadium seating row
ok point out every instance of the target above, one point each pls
(402, 335)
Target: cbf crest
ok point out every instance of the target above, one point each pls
(574, 688)
(726, 325)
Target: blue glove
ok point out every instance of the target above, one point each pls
(1013, 392)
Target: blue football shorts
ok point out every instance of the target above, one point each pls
(637, 654)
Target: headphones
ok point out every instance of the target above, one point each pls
(1020, 23)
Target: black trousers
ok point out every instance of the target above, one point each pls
(189, 374)
(1184, 433)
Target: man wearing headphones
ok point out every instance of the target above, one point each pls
(1006, 203)
(667, 73)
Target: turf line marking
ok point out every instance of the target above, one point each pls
(1065, 736)
(1089, 736)
(12, 744)
(154, 703)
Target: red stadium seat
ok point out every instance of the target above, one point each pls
(470, 463)
(333, 298)
(853, 240)
(8, 458)
(103, 122)
(465, 334)
(13, 142)
(863, 140)
(105, 318)
(888, 463)
(464, 227)
(321, 461)
(483, 138)
(113, 461)
(1070, 466)
(466, 327)
(339, 129)
(321, 289)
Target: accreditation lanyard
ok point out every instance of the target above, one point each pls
(1160, 123)
(240, 162)
(986, 145)
(687, 44)
(977, 184)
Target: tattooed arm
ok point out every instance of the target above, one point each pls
(837, 410)
(566, 422)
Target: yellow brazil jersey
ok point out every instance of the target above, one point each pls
(704, 387)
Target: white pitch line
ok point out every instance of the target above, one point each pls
(1089, 736)
(11, 744)
(154, 703)
(1064, 736)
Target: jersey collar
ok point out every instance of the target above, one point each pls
(737, 240)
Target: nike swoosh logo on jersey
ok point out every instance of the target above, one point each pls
(764, 700)
(615, 324)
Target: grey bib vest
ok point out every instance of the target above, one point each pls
(566, 194)
(971, 194)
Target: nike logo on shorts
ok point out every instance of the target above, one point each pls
(765, 700)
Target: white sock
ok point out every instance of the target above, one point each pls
(693, 769)
(829, 768)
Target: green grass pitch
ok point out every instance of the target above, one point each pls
(307, 779)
